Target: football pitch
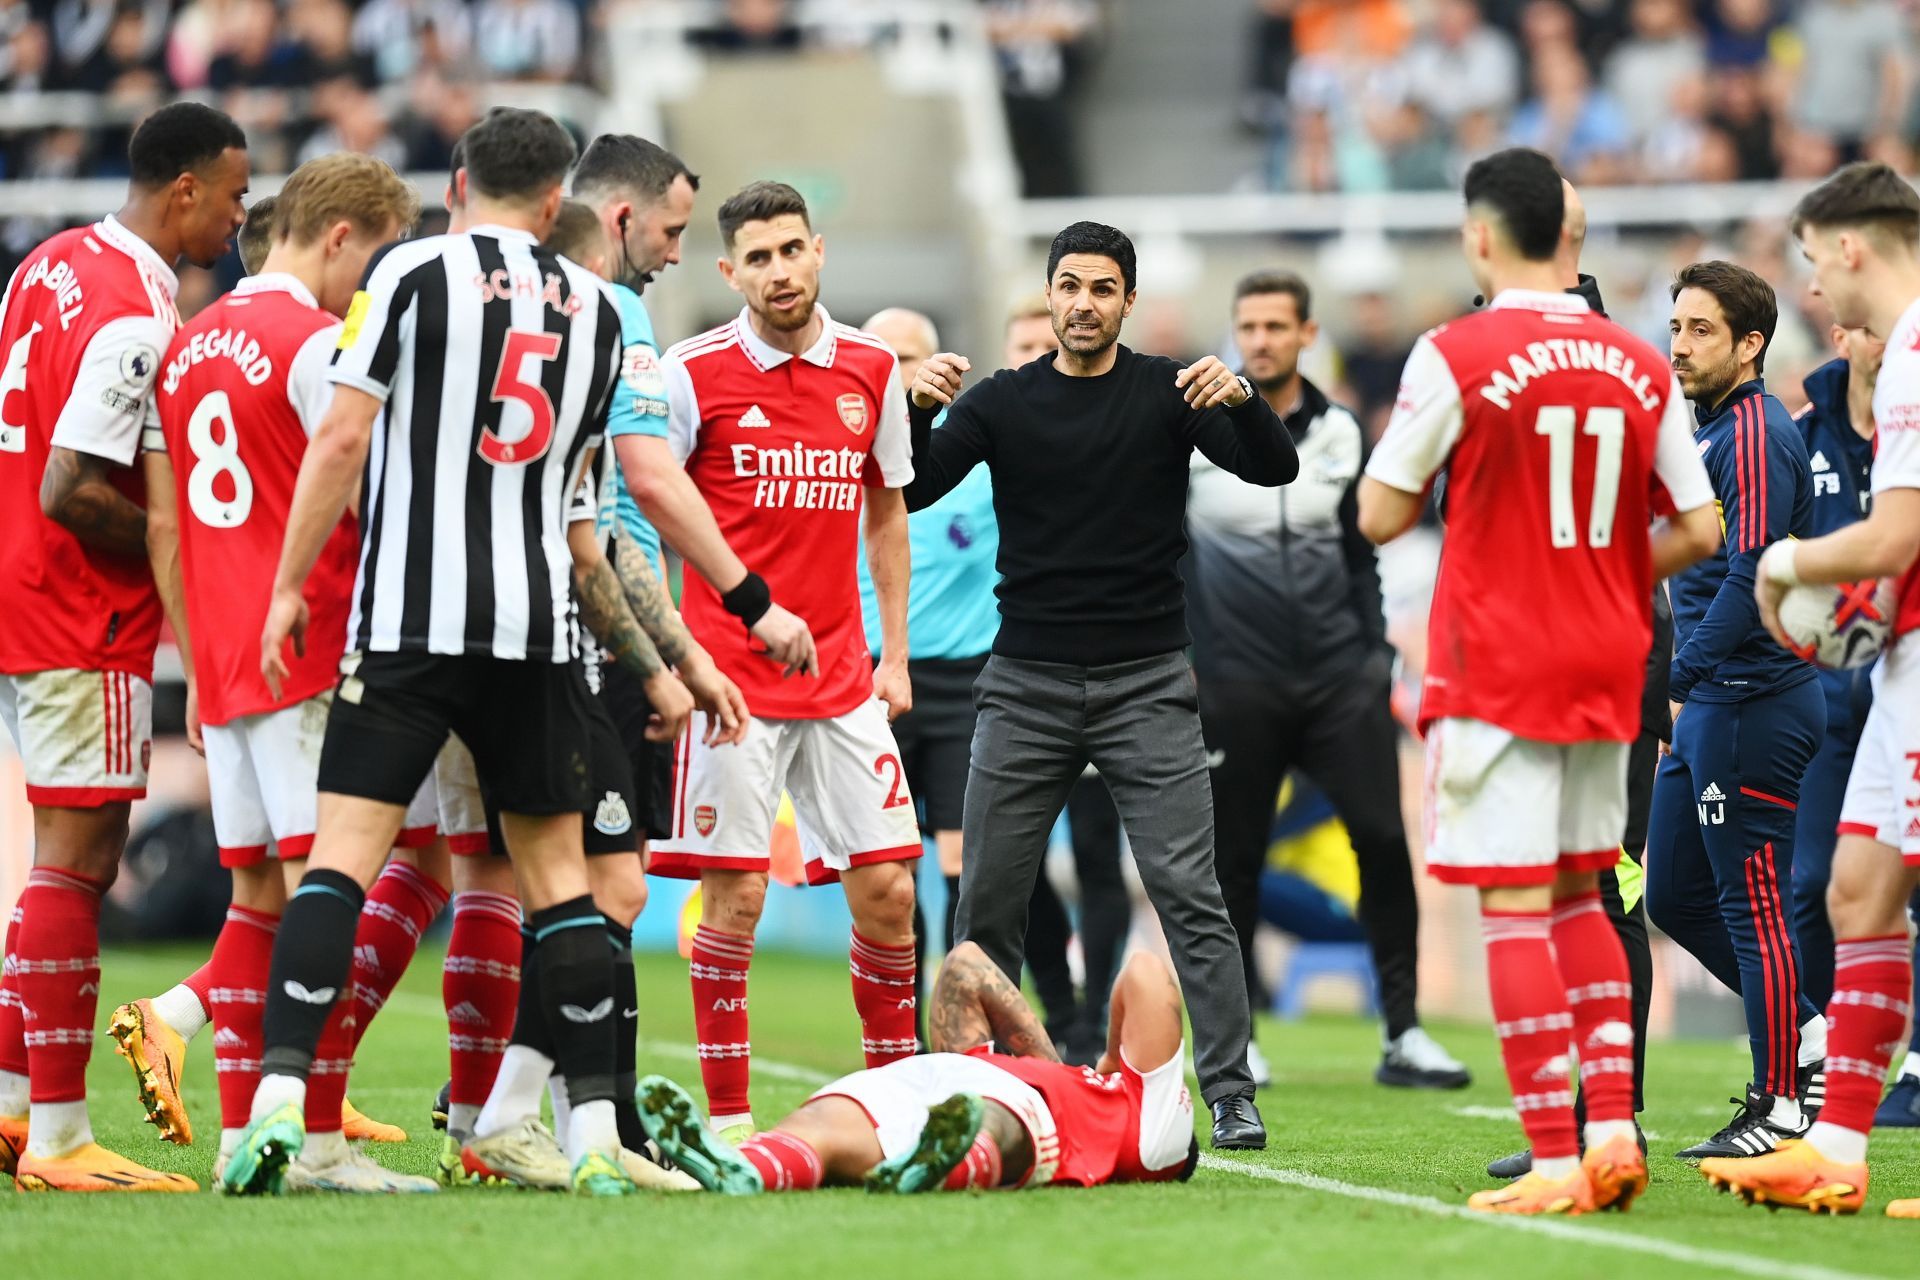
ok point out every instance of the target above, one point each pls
(1359, 1181)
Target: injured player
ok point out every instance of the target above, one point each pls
(991, 1106)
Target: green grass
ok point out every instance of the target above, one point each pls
(1327, 1119)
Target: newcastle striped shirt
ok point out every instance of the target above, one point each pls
(496, 360)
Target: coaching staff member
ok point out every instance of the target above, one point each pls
(1291, 648)
(1088, 451)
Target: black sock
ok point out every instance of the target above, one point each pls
(953, 906)
(576, 994)
(626, 1042)
(312, 964)
(529, 1017)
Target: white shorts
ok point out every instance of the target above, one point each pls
(263, 772)
(850, 797)
(896, 1098)
(85, 737)
(463, 814)
(1504, 810)
(1883, 791)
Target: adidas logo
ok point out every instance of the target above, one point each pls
(1819, 461)
(905, 1004)
(1913, 829)
(367, 958)
(466, 1014)
(574, 1013)
(298, 991)
(228, 1038)
(1712, 793)
(753, 417)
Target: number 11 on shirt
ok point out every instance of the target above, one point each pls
(1608, 427)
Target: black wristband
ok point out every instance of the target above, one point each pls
(750, 600)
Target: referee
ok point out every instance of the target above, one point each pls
(1291, 648)
(1088, 451)
(487, 363)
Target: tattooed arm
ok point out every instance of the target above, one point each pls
(973, 1003)
(713, 692)
(603, 607)
(75, 494)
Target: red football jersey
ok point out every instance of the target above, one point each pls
(1896, 452)
(243, 386)
(780, 447)
(1097, 1118)
(81, 331)
(1552, 424)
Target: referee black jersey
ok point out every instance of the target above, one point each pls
(495, 359)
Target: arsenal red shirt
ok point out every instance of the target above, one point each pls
(241, 389)
(1896, 454)
(781, 447)
(1552, 423)
(81, 331)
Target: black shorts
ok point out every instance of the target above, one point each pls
(525, 722)
(608, 818)
(936, 737)
(651, 763)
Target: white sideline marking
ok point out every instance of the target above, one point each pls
(1559, 1229)
(1506, 1114)
(1556, 1228)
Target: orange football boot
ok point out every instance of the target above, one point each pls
(13, 1143)
(1793, 1175)
(1618, 1172)
(157, 1054)
(1903, 1208)
(1534, 1194)
(94, 1168)
(359, 1127)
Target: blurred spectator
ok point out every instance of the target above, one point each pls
(1040, 45)
(439, 111)
(1675, 147)
(1460, 65)
(1741, 112)
(251, 54)
(81, 29)
(26, 51)
(753, 26)
(403, 35)
(1853, 76)
(322, 32)
(1571, 120)
(527, 39)
(1264, 109)
(352, 119)
(1371, 358)
(1662, 50)
(1740, 33)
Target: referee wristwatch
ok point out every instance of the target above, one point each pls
(1246, 385)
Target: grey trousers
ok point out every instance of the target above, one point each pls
(1040, 724)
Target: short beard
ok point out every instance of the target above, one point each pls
(1278, 381)
(792, 322)
(1084, 348)
(1711, 386)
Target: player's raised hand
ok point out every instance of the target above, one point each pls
(1208, 384)
(672, 704)
(286, 620)
(720, 698)
(788, 641)
(891, 686)
(938, 381)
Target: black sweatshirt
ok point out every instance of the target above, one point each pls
(1090, 489)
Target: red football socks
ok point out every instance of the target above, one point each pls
(237, 1003)
(1534, 1026)
(1600, 996)
(57, 965)
(884, 991)
(719, 975)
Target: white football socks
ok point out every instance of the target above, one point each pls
(56, 1129)
(591, 1127)
(14, 1094)
(324, 1149)
(516, 1090)
(1556, 1169)
(1842, 1146)
(180, 1009)
(1911, 1067)
(461, 1117)
(1599, 1133)
(276, 1091)
(1813, 1041)
(562, 1105)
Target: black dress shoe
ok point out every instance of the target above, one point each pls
(1237, 1127)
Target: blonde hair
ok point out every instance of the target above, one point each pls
(577, 232)
(256, 234)
(1030, 307)
(343, 187)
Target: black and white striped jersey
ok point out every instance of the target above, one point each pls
(495, 360)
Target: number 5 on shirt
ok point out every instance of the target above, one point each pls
(510, 384)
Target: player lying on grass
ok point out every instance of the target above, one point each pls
(991, 1106)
